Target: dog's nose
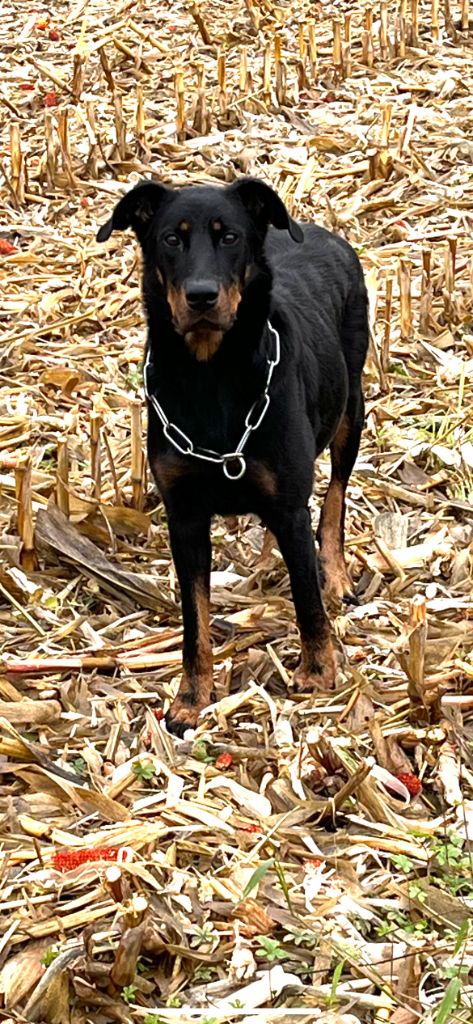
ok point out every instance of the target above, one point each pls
(201, 294)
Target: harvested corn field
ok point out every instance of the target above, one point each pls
(297, 858)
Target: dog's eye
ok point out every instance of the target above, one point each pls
(172, 240)
(229, 237)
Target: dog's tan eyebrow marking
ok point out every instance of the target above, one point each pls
(184, 225)
(216, 225)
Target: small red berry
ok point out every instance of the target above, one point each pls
(6, 248)
(224, 761)
(411, 782)
(159, 714)
(54, 35)
(50, 99)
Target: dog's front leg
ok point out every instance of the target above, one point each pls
(293, 531)
(191, 551)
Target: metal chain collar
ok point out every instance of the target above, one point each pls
(183, 444)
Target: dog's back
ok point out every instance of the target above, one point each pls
(316, 284)
(319, 294)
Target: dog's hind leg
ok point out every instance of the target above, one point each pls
(331, 529)
(344, 446)
(191, 551)
(293, 532)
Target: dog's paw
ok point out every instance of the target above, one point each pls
(334, 596)
(187, 706)
(337, 586)
(321, 675)
(182, 716)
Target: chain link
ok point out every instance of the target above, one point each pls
(183, 444)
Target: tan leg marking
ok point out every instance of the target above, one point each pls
(337, 583)
(194, 693)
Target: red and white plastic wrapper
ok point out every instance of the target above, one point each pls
(390, 783)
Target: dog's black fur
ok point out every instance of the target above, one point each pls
(214, 272)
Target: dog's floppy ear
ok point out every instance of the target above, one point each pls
(135, 210)
(265, 206)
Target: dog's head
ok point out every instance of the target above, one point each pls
(201, 243)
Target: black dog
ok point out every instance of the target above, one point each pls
(256, 345)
